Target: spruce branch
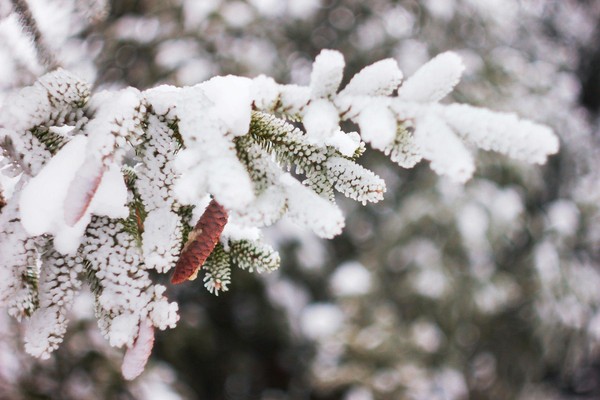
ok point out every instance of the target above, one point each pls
(59, 281)
(217, 271)
(403, 150)
(253, 256)
(129, 168)
(287, 142)
(53, 141)
(134, 223)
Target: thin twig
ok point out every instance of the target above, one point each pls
(45, 55)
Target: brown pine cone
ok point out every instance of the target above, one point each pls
(201, 243)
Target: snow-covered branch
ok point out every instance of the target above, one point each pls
(112, 183)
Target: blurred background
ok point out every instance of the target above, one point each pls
(489, 290)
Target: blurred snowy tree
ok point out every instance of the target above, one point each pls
(450, 301)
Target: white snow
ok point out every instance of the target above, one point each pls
(111, 197)
(502, 132)
(7, 181)
(114, 120)
(377, 126)
(235, 232)
(327, 74)
(162, 98)
(43, 197)
(445, 151)
(265, 210)
(231, 101)
(264, 92)
(378, 79)
(50, 199)
(162, 313)
(38, 337)
(307, 208)
(434, 80)
(161, 230)
(229, 182)
(210, 115)
(294, 97)
(191, 186)
(355, 181)
(345, 143)
(321, 121)
(123, 328)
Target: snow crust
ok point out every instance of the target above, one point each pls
(446, 153)
(231, 100)
(211, 114)
(327, 74)
(51, 185)
(45, 204)
(321, 121)
(434, 80)
(307, 208)
(378, 79)
(377, 126)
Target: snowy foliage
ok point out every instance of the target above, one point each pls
(111, 183)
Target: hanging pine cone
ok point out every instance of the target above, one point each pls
(201, 243)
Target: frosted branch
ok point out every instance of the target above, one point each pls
(116, 183)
